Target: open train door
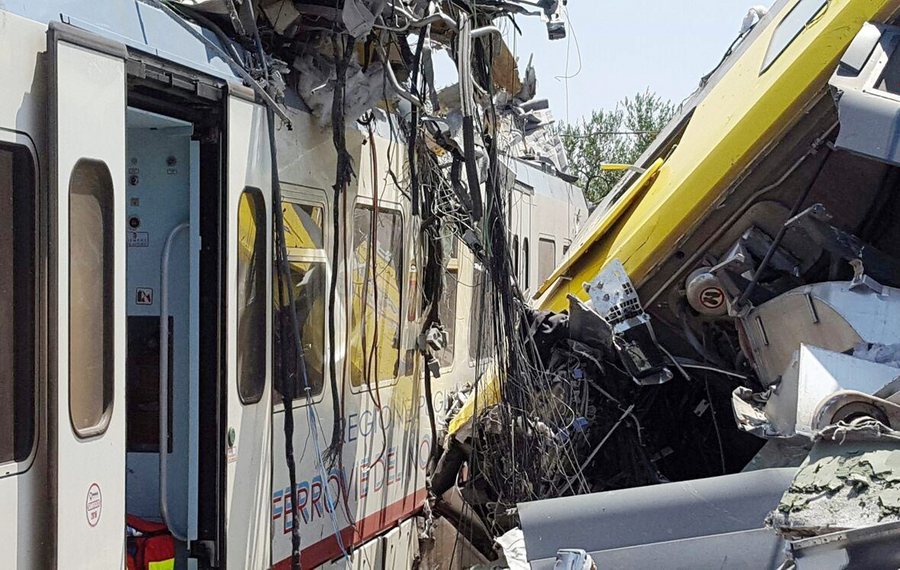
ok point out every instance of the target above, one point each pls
(248, 424)
(87, 292)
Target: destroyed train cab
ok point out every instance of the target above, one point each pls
(748, 277)
(143, 334)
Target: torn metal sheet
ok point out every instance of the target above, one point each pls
(365, 88)
(211, 6)
(887, 354)
(872, 547)
(283, 16)
(816, 375)
(615, 298)
(359, 16)
(512, 543)
(750, 412)
(831, 315)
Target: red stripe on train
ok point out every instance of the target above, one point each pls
(367, 528)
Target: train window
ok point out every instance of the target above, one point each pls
(526, 264)
(447, 306)
(546, 258)
(481, 330)
(375, 312)
(515, 249)
(251, 296)
(17, 314)
(91, 270)
(307, 261)
(790, 27)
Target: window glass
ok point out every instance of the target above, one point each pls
(515, 248)
(251, 296)
(526, 264)
(375, 313)
(308, 281)
(306, 259)
(791, 27)
(546, 258)
(17, 316)
(91, 274)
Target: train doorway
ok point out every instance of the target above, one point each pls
(162, 214)
(160, 295)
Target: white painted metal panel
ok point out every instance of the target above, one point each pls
(401, 545)
(248, 465)
(88, 123)
(368, 556)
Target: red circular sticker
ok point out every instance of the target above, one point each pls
(712, 298)
(93, 504)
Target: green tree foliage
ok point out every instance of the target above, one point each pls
(613, 136)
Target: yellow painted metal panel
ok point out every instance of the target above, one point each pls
(486, 394)
(605, 223)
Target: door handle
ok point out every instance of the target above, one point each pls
(164, 382)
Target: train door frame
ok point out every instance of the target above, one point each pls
(156, 85)
(249, 461)
(162, 87)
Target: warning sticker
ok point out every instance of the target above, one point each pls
(712, 298)
(93, 505)
(138, 239)
(143, 296)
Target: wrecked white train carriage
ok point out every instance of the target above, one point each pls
(137, 176)
(757, 255)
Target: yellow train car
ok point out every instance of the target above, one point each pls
(726, 145)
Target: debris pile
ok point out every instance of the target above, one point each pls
(578, 422)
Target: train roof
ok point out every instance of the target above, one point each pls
(135, 24)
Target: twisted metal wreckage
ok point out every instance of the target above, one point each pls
(731, 328)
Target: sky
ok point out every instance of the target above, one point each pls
(628, 46)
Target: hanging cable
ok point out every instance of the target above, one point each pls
(344, 171)
(289, 387)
